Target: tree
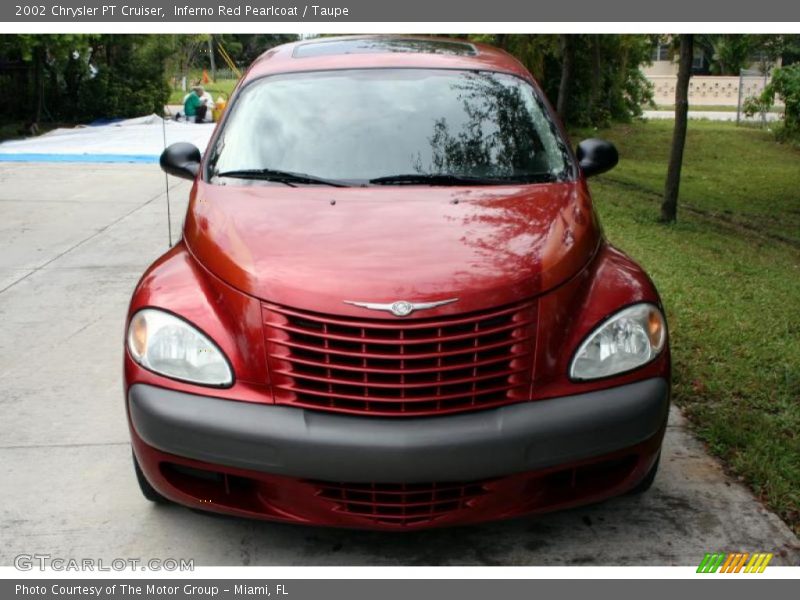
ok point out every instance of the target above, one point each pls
(211, 58)
(603, 80)
(73, 78)
(567, 54)
(669, 207)
(786, 84)
(42, 60)
(127, 78)
(187, 50)
(245, 48)
(727, 53)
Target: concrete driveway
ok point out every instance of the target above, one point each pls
(74, 239)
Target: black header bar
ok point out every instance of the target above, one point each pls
(354, 11)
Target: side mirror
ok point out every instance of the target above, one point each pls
(596, 156)
(181, 160)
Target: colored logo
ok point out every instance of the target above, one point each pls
(736, 562)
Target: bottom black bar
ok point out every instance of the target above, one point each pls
(733, 586)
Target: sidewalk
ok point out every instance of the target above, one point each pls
(710, 115)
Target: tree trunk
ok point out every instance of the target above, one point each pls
(501, 41)
(38, 82)
(566, 77)
(597, 74)
(212, 59)
(669, 207)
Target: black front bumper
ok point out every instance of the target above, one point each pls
(306, 444)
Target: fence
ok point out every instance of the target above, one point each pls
(707, 90)
(751, 83)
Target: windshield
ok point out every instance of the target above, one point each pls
(391, 126)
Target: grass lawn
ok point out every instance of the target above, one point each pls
(731, 174)
(729, 276)
(215, 88)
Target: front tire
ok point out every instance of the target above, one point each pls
(148, 491)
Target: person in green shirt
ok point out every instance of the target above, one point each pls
(194, 106)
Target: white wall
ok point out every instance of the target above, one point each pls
(705, 90)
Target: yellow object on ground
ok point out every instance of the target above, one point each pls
(219, 108)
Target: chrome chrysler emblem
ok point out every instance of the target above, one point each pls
(401, 308)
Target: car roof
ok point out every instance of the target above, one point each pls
(383, 51)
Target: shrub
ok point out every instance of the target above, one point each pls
(129, 77)
(81, 77)
(785, 83)
(753, 105)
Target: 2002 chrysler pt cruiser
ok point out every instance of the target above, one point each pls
(392, 305)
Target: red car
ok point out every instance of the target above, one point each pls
(393, 306)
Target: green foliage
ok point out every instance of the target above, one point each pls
(130, 77)
(727, 53)
(785, 83)
(607, 83)
(245, 48)
(753, 105)
(79, 77)
(190, 52)
(76, 78)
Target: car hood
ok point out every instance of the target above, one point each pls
(313, 247)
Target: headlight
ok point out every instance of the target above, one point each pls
(631, 338)
(170, 346)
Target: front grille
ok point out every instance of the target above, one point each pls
(400, 503)
(394, 367)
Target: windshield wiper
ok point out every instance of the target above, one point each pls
(287, 177)
(444, 179)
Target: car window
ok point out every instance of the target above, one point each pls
(362, 125)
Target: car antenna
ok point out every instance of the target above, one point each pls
(166, 181)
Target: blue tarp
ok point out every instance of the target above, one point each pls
(121, 141)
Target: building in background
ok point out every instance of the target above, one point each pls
(705, 88)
